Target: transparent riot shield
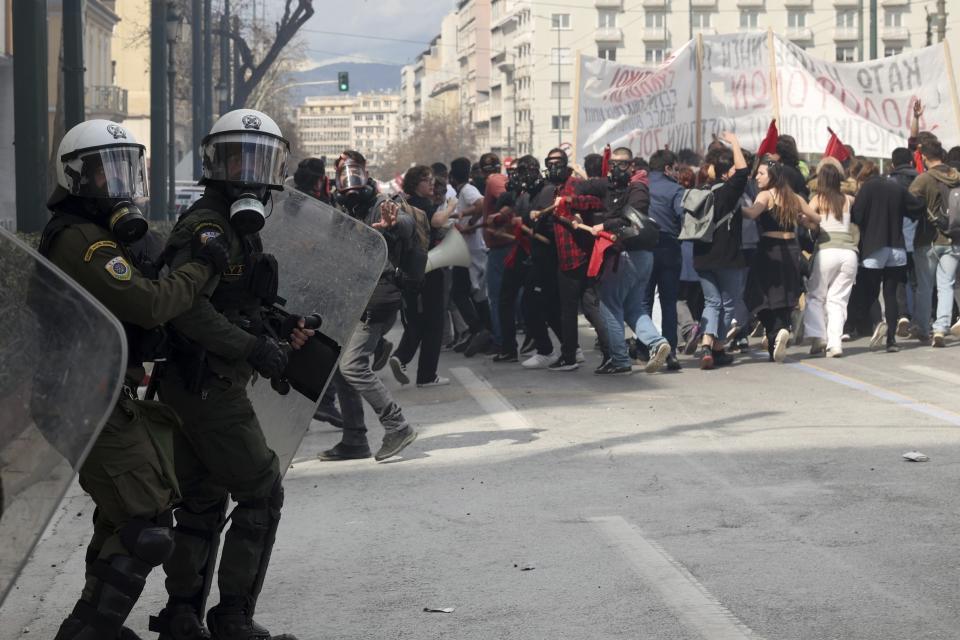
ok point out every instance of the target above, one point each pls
(62, 359)
(329, 266)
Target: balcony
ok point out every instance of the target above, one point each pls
(608, 4)
(750, 4)
(895, 3)
(797, 4)
(898, 34)
(107, 103)
(846, 4)
(655, 4)
(481, 113)
(609, 34)
(655, 34)
(703, 4)
(799, 34)
(704, 31)
(846, 33)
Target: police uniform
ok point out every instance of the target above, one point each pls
(223, 452)
(129, 472)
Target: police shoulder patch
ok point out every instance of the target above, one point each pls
(102, 244)
(208, 231)
(119, 268)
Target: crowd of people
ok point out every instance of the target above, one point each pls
(731, 246)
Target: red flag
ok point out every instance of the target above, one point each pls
(522, 242)
(604, 241)
(918, 160)
(835, 148)
(605, 166)
(769, 144)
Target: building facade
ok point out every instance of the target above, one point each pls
(365, 122)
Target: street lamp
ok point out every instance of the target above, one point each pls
(174, 29)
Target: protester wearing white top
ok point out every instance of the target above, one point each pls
(834, 265)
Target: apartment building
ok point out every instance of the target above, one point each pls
(431, 84)
(366, 122)
(473, 56)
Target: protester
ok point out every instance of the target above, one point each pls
(789, 159)
(834, 264)
(936, 255)
(720, 263)
(666, 209)
(774, 283)
(905, 173)
(498, 240)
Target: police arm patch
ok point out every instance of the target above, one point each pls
(119, 268)
(208, 235)
(92, 249)
(207, 231)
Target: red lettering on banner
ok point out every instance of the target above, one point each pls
(891, 113)
(758, 88)
(822, 85)
(738, 89)
(792, 99)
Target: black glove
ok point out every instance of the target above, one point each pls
(216, 253)
(267, 357)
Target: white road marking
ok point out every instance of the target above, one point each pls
(691, 602)
(936, 374)
(498, 407)
(879, 392)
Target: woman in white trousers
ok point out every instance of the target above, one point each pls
(834, 265)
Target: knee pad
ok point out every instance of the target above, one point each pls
(256, 518)
(199, 521)
(149, 540)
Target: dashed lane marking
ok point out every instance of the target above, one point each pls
(695, 607)
(930, 372)
(492, 401)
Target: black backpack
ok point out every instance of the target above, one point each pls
(412, 261)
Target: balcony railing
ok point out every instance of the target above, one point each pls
(896, 33)
(609, 34)
(655, 34)
(800, 34)
(107, 102)
(846, 33)
(608, 4)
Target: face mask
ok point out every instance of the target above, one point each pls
(557, 172)
(514, 183)
(247, 214)
(356, 201)
(620, 176)
(126, 221)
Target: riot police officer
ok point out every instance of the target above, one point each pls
(217, 346)
(129, 472)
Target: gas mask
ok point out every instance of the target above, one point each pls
(530, 180)
(557, 170)
(620, 173)
(353, 185)
(247, 212)
(122, 217)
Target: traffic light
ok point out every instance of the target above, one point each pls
(343, 81)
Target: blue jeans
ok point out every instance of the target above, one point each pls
(722, 289)
(937, 263)
(622, 294)
(495, 268)
(665, 278)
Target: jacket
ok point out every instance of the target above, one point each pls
(666, 197)
(878, 210)
(928, 190)
(725, 251)
(387, 296)
(636, 195)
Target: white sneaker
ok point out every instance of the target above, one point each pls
(955, 329)
(399, 370)
(658, 358)
(879, 335)
(903, 328)
(780, 345)
(817, 346)
(437, 382)
(537, 361)
(580, 357)
(733, 330)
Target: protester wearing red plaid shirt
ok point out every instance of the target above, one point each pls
(573, 253)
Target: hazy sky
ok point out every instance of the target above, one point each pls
(417, 20)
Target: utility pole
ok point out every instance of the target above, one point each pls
(196, 78)
(873, 29)
(208, 103)
(158, 110)
(174, 22)
(223, 88)
(73, 68)
(30, 111)
(941, 20)
(559, 93)
(926, 10)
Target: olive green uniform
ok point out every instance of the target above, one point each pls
(129, 472)
(224, 452)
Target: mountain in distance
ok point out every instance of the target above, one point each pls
(365, 77)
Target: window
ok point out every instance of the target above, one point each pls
(654, 56)
(560, 21)
(560, 56)
(655, 19)
(749, 19)
(607, 53)
(559, 90)
(847, 19)
(893, 18)
(560, 122)
(892, 51)
(846, 54)
(606, 19)
(796, 19)
(701, 19)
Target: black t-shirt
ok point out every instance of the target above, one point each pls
(724, 252)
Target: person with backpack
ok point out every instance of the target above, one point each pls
(937, 243)
(423, 307)
(357, 196)
(717, 254)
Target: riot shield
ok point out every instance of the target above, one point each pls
(329, 265)
(62, 360)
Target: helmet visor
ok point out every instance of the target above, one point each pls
(247, 158)
(110, 172)
(350, 176)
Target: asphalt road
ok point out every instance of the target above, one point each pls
(754, 501)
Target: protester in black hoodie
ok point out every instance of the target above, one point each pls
(905, 173)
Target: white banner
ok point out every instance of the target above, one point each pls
(869, 105)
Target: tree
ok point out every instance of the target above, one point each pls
(438, 137)
(251, 72)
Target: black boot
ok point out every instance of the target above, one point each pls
(179, 621)
(229, 623)
(111, 591)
